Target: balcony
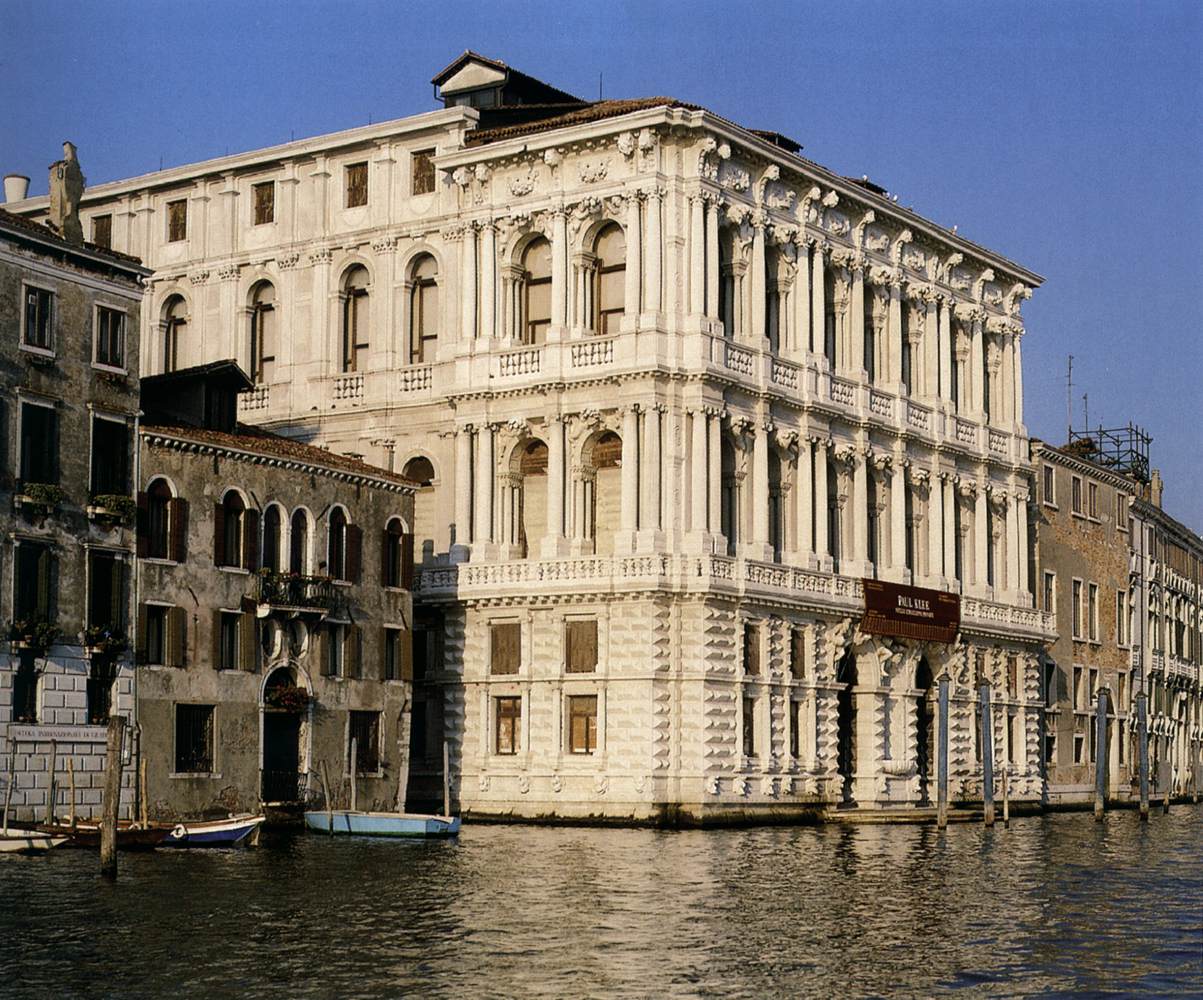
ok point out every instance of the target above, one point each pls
(292, 592)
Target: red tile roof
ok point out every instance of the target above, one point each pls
(256, 440)
(590, 113)
(47, 231)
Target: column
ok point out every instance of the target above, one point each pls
(1018, 377)
(552, 542)
(634, 271)
(801, 305)
(855, 361)
(1013, 542)
(483, 528)
(898, 514)
(804, 500)
(1024, 586)
(630, 469)
(931, 354)
(468, 290)
(894, 337)
(935, 526)
(711, 263)
(945, 350)
(977, 368)
(818, 306)
(715, 445)
(950, 524)
(488, 280)
(981, 535)
(559, 268)
(758, 330)
(860, 510)
(822, 544)
(698, 484)
(649, 507)
(697, 255)
(653, 253)
(1007, 379)
(463, 492)
(760, 485)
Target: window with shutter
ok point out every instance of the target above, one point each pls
(797, 654)
(32, 582)
(248, 642)
(364, 729)
(177, 519)
(219, 535)
(749, 727)
(226, 646)
(106, 591)
(390, 662)
(357, 185)
(336, 544)
(152, 634)
(580, 641)
(39, 312)
(177, 221)
(407, 561)
(39, 444)
(110, 456)
(751, 649)
(582, 723)
(508, 722)
(194, 739)
(505, 640)
(391, 569)
(353, 653)
(354, 567)
(264, 197)
(250, 539)
(177, 637)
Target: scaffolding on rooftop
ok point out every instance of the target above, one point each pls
(1123, 449)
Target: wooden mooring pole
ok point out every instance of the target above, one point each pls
(71, 785)
(50, 785)
(942, 758)
(353, 768)
(12, 775)
(1142, 736)
(112, 796)
(1006, 801)
(446, 779)
(329, 800)
(1100, 756)
(987, 741)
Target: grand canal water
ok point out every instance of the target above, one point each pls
(1054, 905)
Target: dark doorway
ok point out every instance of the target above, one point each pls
(281, 738)
(846, 724)
(924, 731)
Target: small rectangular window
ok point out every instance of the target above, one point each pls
(194, 739)
(422, 163)
(751, 649)
(794, 723)
(1077, 609)
(335, 650)
(177, 221)
(797, 654)
(364, 729)
(39, 319)
(508, 721)
(102, 679)
(263, 196)
(110, 338)
(1050, 592)
(357, 185)
(749, 727)
(106, 592)
(33, 582)
(1092, 495)
(1076, 495)
(102, 231)
(1121, 618)
(580, 642)
(582, 723)
(505, 641)
(25, 687)
(392, 654)
(156, 634)
(1121, 511)
(110, 457)
(228, 640)
(39, 444)
(1050, 487)
(1093, 611)
(1079, 692)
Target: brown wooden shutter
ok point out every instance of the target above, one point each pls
(407, 561)
(142, 524)
(248, 643)
(250, 539)
(323, 650)
(580, 641)
(140, 642)
(177, 539)
(797, 653)
(215, 641)
(219, 535)
(354, 554)
(751, 649)
(405, 654)
(353, 653)
(117, 617)
(506, 643)
(45, 583)
(177, 637)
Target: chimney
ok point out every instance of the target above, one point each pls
(1155, 488)
(66, 189)
(16, 187)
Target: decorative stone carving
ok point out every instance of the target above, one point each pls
(553, 157)
(592, 171)
(557, 783)
(483, 783)
(523, 784)
(322, 255)
(199, 276)
(461, 176)
(733, 176)
(602, 784)
(228, 272)
(285, 262)
(524, 184)
(626, 144)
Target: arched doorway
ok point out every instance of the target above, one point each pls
(604, 512)
(285, 707)
(532, 470)
(924, 731)
(846, 724)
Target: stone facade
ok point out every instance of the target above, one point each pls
(659, 375)
(69, 375)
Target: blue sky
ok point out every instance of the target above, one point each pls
(1067, 136)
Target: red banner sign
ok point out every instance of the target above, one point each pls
(910, 612)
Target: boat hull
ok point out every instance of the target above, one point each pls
(28, 843)
(232, 832)
(129, 838)
(361, 824)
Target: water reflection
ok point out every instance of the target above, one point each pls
(1055, 904)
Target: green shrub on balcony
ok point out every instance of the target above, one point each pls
(114, 506)
(33, 633)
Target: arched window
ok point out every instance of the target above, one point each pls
(231, 531)
(611, 251)
(834, 526)
(729, 512)
(336, 547)
(420, 471)
(726, 283)
(395, 567)
(273, 529)
(829, 339)
(355, 319)
(298, 543)
(175, 324)
(158, 529)
(263, 332)
(536, 306)
(423, 310)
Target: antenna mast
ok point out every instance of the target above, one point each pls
(1069, 398)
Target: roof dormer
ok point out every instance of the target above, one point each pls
(477, 82)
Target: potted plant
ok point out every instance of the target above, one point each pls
(104, 640)
(32, 633)
(287, 698)
(40, 497)
(113, 507)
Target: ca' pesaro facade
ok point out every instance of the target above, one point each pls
(273, 610)
(670, 391)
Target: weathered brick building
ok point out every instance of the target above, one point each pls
(274, 609)
(69, 318)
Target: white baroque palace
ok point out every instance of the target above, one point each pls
(671, 390)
